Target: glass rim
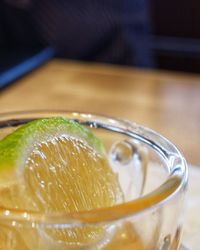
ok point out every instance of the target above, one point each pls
(176, 181)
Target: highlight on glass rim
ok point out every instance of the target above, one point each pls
(72, 180)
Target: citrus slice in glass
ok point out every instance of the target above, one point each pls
(60, 166)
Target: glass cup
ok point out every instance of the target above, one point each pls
(152, 174)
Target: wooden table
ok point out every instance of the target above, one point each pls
(166, 102)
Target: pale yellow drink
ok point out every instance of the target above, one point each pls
(65, 172)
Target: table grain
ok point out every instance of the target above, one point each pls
(164, 101)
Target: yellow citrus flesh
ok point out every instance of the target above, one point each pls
(66, 175)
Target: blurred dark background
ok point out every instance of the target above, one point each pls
(142, 33)
(176, 34)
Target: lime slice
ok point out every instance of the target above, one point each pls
(62, 167)
(16, 147)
